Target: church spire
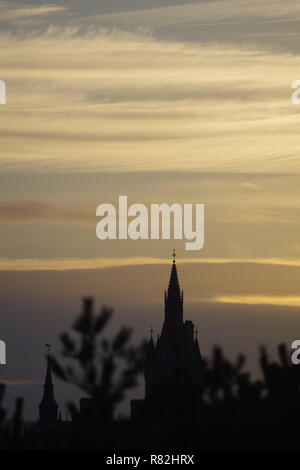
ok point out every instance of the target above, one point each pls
(174, 298)
(174, 283)
(48, 387)
(48, 407)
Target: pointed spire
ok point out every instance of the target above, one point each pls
(48, 406)
(150, 348)
(48, 381)
(174, 297)
(174, 288)
(48, 386)
(151, 342)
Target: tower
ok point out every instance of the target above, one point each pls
(48, 408)
(173, 366)
(173, 302)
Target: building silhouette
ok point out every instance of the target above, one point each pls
(48, 408)
(173, 365)
(172, 371)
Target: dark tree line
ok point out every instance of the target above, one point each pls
(231, 411)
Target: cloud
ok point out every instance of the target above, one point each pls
(249, 185)
(20, 212)
(19, 382)
(259, 300)
(55, 214)
(120, 101)
(67, 264)
(214, 12)
(270, 23)
(15, 12)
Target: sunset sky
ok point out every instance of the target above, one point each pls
(162, 101)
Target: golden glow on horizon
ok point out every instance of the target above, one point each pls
(66, 264)
(19, 382)
(258, 300)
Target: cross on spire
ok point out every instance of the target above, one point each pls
(174, 256)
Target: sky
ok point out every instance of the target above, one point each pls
(163, 101)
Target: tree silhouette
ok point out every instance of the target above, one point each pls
(103, 369)
(11, 437)
(229, 411)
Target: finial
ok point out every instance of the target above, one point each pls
(48, 347)
(174, 256)
(151, 333)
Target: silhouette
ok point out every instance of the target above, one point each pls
(11, 432)
(104, 369)
(173, 366)
(48, 408)
(190, 402)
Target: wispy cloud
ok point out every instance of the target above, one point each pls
(128, 102)
(20, 212)
(66, 264)
(203, 13)
(15, 382)
(286, 301)
(17, 11)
